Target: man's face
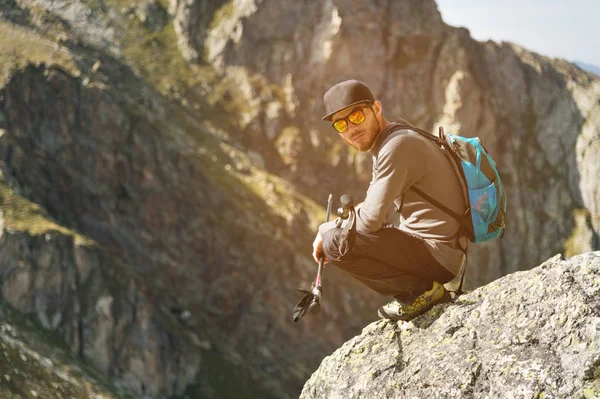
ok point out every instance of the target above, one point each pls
(361, 136)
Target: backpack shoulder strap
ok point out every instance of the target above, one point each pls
(402, 124)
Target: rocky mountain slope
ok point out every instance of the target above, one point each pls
(164, 169)
(533, 334)
(137, 230)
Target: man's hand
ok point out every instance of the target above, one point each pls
(318, 249)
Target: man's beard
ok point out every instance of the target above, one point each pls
(367, 132)
(374, 138)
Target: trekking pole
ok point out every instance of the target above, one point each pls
(315, 306)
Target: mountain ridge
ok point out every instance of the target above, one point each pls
(588, 67)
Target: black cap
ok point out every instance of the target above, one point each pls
(344, 95)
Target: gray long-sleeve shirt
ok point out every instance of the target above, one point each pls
(402, 159)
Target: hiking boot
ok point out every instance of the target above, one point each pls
(407, 311)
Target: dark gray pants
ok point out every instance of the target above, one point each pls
(389, 261)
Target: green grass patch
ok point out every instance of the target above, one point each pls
(20, 47)
(21, 215)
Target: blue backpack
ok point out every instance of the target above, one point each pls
(483, 191)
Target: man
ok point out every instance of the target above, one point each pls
(412, 261)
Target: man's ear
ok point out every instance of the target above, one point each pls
(377, 108)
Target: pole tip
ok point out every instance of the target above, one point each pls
(330, 197)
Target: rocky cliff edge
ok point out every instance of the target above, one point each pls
(533, 334)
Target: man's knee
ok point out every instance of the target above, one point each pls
(330, 245)
(336, 250)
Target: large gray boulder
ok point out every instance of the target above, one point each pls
(533, 334)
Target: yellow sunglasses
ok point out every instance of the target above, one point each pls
(356, 117)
